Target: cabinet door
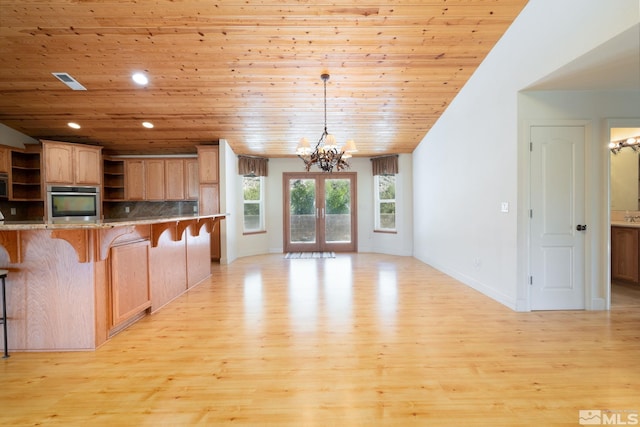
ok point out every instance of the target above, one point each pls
(129, 281)
(208, 164)
(154, 184)
(134, 180)
(88, 170)
(192, 179)
(4, 160)
(624, 254)
(209, 199)
(58, 163)
(216, 250)
(174, 179)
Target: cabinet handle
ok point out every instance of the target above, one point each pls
(581, 227)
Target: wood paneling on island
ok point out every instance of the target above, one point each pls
(67, 291)
(50, 296)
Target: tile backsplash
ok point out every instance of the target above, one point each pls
(22, 211)
(118, 210)
(34, 211)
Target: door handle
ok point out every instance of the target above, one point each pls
(581, 227)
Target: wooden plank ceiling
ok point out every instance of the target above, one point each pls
(244, 71)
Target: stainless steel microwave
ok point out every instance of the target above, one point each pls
(73, 204)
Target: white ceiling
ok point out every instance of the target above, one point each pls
(614, 65)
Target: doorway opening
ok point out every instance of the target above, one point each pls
(624, 215)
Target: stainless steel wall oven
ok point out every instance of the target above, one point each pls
(73, 204)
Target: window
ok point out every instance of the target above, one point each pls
(253, 196)
(385, 202)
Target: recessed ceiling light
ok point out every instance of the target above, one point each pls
(73, 125)
(148, 125)
(140, 78)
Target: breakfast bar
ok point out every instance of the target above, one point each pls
(71, 286)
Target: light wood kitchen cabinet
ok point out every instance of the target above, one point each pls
(209, 199)
(25, 177)
(625, 254)
(192, 179)
(174, 185)
(134, 179)
(209, 194)
(71, 164)
(154, 179)
(208, 163)
(209, 203)
(130, 294)
(113, 181)
(5, 159)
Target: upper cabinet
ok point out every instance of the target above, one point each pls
(192, 179)
(153, 179)
(208, 163)
(113, 180)
(134, 179)
(174, 186)
(25, 178)
(71, 164)
(5, 160)
(209, 192)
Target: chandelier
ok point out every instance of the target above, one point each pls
(633, 143)
(326, 154)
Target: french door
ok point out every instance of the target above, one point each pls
(320, 212)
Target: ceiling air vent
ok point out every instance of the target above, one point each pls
(69, 81)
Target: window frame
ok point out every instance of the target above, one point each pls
(260, 202)
(377, 226)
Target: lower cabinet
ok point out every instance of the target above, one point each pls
(625, 254)
(130, 292)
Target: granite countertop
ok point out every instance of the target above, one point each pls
(625, 224)
(104, 223)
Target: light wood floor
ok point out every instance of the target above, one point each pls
(358, 340)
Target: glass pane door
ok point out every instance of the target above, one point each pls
(302, 212)
(337, 210)
(319, 212)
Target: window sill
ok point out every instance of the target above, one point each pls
(248, 233)
(386, 231)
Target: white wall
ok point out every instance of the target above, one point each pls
(13, 138)
(402, 242)
(368, 241)
(624, 176)
(228, 204)
(469, 162)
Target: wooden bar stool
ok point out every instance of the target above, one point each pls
(3, 276)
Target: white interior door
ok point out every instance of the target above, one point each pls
(557, 225)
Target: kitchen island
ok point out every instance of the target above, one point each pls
(71, 286)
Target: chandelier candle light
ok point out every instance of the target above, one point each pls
(326, 154)
(633, 143)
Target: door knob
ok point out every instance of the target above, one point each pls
(581, 227)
